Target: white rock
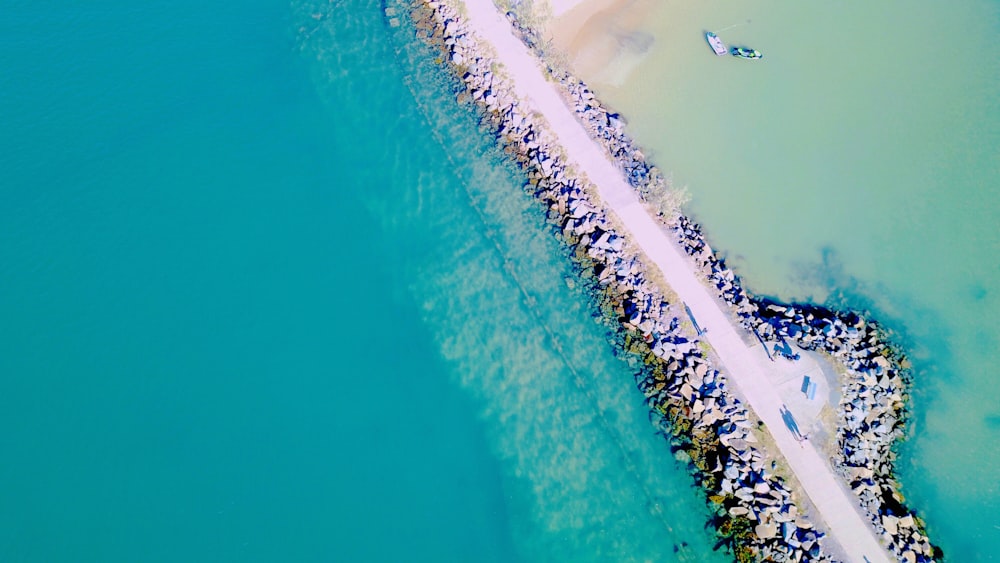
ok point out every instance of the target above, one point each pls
(766, 530)
(889, 522)
(738, 511)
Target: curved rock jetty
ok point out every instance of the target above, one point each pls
(709, 427)
(872, 411)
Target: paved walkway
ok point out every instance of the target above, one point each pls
(837, 505)
(787, 375)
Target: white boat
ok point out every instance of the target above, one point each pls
(717, 45)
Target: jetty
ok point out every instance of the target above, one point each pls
(838, 509)
(590, 184)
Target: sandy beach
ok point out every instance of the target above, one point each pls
(602, 37)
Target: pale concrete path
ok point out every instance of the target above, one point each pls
(837, 506)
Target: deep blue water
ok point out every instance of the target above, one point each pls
(251, 310)
(192, 352)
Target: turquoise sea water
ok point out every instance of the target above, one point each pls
(251, 309)
(856, 164)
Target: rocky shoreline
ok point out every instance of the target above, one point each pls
(872, 412)
(709, 427)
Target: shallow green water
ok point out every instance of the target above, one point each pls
(855, 164)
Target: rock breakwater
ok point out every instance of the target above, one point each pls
(708, 426)
(872, 412)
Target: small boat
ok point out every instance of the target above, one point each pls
(717, 45)
(745, 53)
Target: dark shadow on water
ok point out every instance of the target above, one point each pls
(978, 292)
(635, 41)
(992, 421)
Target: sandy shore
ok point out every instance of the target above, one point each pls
(560, 7)
(837, 507)
(602, 38)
